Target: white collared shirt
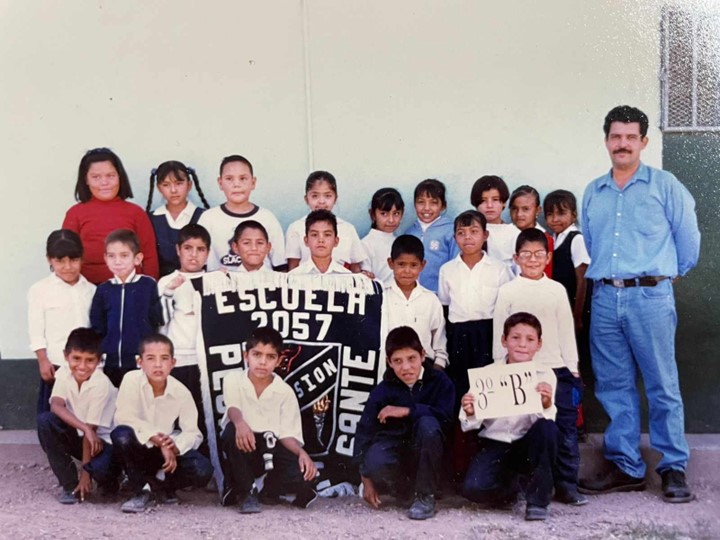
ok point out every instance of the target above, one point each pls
(378, 245)
(548, 301)
(92, 403)
(501, 242)
(578, 251)
(54, 310)
(276, 409)
(470, 293)
(148, 415)
(179, 313)
(511, 428)
(422, 312)
(349, 248)
(183, 218)
(308, 267)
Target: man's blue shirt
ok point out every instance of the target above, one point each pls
(648, 228)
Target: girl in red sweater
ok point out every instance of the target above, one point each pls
(101, 189)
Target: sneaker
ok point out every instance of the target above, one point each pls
(251, 504)
(536, 513)
(168, 496)
(305, 497)
(137, 504)
(570, 496)
(675, 488)
(423, 507)
(613, 479)
(67, 497)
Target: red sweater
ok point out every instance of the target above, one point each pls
(95, 219)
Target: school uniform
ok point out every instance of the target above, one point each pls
(406, 452)
(221, 223)
(470, 294)
(272, 416)
(54, 310)
(501, 242)
(523, 443)
(569, 253)
(422, 312)
(309, 268)
(167, 231)
(140, 415)
(124, 314)
(378, 245)
(349, 249)
(438, 239)
(92, 403)
(547, 300)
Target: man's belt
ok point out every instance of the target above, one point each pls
(645, 281)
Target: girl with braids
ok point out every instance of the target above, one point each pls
(174, 181)
(101, 189)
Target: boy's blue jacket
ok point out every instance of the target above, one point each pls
(124, 314)
(440, 247)
(432, 395)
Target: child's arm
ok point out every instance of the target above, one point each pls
(36, 330)
(468, 420)
(155, 315)
(244, 436)
(438, 336)
(566, 330)
(59, 408)
(190, 435)
(84, 486)
(307, 467)
(98, 319)
(128, 411)
(442, 405)
(580, 293)
(546, 394)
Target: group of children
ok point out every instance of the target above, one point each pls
(453, 290)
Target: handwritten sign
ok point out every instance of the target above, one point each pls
(505, 390)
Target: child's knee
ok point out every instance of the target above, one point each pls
(123, 436)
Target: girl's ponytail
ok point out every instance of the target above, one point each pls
(196, 181)
(153, 178)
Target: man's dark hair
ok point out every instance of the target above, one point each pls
(407, 244)
(522, 317)
(530, 235)
(626, 115)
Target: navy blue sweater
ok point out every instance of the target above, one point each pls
(433, 395)
(124, 314)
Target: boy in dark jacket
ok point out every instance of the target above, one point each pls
(403, 426)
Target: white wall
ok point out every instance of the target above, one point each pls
(399, 91)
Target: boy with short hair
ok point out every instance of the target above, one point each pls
(237, 182)
(80, 420)
(489, 195)
(262, 430)
(320, 238)
(434, 229)
(157, 434)
(410, 304)
(126, 308)
(533, 292)
(252, 244)
(523, 443)
(400, 436)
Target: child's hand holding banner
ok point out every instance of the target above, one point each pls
(505, 390)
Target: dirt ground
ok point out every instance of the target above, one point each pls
(28, 509)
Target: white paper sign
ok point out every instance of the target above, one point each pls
(505, 390)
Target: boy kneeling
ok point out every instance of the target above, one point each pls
(525, 443)
(80, 419)
(263, 431)
(157, 434)
(400, 436)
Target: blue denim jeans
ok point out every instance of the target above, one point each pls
(633, 330)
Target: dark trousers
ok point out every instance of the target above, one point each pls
(469, 346)
(241, 468)
(492, 475)
(567, 398)
(141, 464)
(390, 462)
(44, 393)
(190, 377)
(61, 443)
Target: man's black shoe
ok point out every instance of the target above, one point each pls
(423, 507)
(612, 480)
(675, 488)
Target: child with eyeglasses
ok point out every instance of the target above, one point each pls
(533, 292)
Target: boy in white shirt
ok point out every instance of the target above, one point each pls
(252, 244)
(262, 430)
(408, 303)
(524, 443)
(80, 420)
(533, 292)
(157, 434)
(321, 238)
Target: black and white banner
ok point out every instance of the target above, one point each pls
(331, 326)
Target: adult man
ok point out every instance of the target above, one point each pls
(641, 231)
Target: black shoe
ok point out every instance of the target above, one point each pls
(423, 507)
(536, 513)
(229, 496)
(138, 504)
(251, 504)
(67, 497)
(305, 497)
(168, 496)
(675, 488)
(613, 479)
(570, 496)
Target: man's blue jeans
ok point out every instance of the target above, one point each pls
(633, 330)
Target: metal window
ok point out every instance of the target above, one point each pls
(690, 71)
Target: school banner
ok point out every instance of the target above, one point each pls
(331, 326)
(505, 390)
